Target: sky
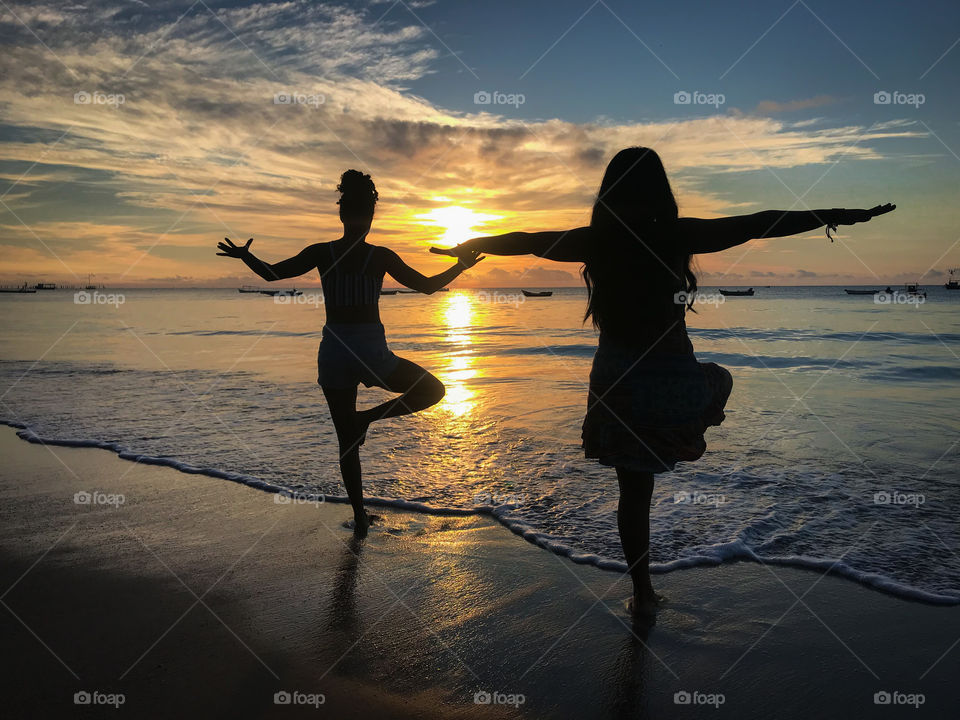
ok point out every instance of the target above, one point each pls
(135, 135)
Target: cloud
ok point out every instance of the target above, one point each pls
(198, 148)
(767, 107)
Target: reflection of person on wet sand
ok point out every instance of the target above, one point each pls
(650, 401)
(354, 345)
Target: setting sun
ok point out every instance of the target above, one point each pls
(459, 223)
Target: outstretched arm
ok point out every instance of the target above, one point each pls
(406, 275)
(563, 246)
(303, 262)
(706, 236)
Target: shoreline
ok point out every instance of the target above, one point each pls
(193, 596)
(834, 567)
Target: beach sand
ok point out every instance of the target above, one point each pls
(198, 597)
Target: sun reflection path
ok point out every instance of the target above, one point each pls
(456, 316)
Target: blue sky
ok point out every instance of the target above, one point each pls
(134, 135)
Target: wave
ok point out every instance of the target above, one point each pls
(718, 554)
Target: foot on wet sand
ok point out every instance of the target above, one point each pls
(644, 607)
(361, 525)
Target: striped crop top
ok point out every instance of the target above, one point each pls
(350, 288)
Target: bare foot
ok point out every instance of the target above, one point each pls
(361, 524)
(644, 607)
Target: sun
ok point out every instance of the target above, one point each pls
(459, 223)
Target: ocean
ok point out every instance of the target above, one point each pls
(839, 451)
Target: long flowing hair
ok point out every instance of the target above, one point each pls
(635, 212)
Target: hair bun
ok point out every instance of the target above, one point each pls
(354, 182)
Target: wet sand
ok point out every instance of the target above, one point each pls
(197, 597)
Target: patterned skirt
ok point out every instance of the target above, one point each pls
(647, 412)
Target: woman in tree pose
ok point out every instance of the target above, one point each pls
(354, 348)
(650, 401)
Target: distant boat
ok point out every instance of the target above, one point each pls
(388, 292)
(248, 289)
(952, 283)
(530, 293)
(861, 292)
(22, 289)
(914, 289)
(89, 285)
(281, 293)
(45, 286)
(737, 292)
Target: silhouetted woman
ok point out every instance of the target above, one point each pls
(650, 401)
(354, 347)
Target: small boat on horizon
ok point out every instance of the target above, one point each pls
(952, 283)
(22, 289)
(542, 293)
(282, 293)
(914, 289)
(737, 293)
(848, 291)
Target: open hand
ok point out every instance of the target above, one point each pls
(469, 258)
(235, 251)
(849, 217)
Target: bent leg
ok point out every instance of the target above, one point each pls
(419, 390)
(633, 522)
(343, 411)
